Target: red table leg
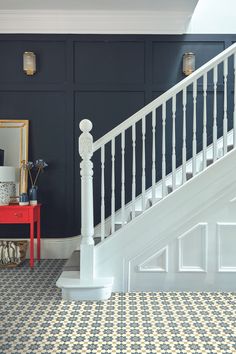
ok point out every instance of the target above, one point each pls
(38, 234)
(32, 244)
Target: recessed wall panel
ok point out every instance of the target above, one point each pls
(226, 247)
(46, 112)
(167, 58)
(192, 248)
(109, 62)
(50, 61)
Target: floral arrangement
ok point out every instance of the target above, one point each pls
(38, 166)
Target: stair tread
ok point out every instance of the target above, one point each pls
(97, 239)
(209, 161)
(170, 188)
(156, 199)
(73, 263)
(137, 212)
(150, 201)
(189, 175)
(120, 222)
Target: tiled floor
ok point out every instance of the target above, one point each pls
(34, 319)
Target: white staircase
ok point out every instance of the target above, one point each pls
(178, 233)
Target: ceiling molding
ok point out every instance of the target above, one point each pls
(92, 22)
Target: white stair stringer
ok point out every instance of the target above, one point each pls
(203, 200)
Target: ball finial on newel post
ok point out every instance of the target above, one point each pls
(85, 125)
(86, 139)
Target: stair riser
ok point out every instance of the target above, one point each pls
(86, 294)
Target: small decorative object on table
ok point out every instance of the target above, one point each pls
(12, 253)
(7, 184)
(38, 167)
(33, 195)
(24, 199)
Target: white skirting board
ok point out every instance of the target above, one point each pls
(54, 248)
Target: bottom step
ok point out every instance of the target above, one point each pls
(73, 263)
(73, 288)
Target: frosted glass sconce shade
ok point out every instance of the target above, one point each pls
(188, 63)
(29, 63)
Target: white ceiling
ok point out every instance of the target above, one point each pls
(96, 16)
(136, 5)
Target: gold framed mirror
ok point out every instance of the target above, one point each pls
(14, 146)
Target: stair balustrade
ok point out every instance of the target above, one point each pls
(163, 110)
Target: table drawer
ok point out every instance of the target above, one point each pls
(14, 215)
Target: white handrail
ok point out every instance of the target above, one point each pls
(164, 97)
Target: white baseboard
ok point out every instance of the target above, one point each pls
(54, 248)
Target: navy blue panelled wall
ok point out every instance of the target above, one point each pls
(104, 78)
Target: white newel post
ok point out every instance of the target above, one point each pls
(87, 223)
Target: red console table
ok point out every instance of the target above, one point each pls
(30, 214)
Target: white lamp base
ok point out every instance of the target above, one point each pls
(5, 193)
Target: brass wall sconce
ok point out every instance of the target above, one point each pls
(188, 63)
(29, 63)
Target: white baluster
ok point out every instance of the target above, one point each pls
(113, 185)
(153, 156)
(215, 79)
(164, 150)
(234, 123)
(184, 137)
(102, 192)
(123, 177)
(194, 146)
(204, 135)
(133, 170)
(225, 119)
(143, 164)
(87, 223)
(173, 143)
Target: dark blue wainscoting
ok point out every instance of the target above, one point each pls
(104, 78)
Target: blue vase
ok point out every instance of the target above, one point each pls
(33, 195)
(24, 199)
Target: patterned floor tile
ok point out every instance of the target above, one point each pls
(34, 319)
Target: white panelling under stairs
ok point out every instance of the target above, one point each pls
(226, 233)
(192, 249)
(179, 244)
(157, 262)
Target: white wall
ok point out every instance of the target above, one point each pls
(214, 16)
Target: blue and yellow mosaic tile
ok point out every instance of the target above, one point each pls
(34, 319)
